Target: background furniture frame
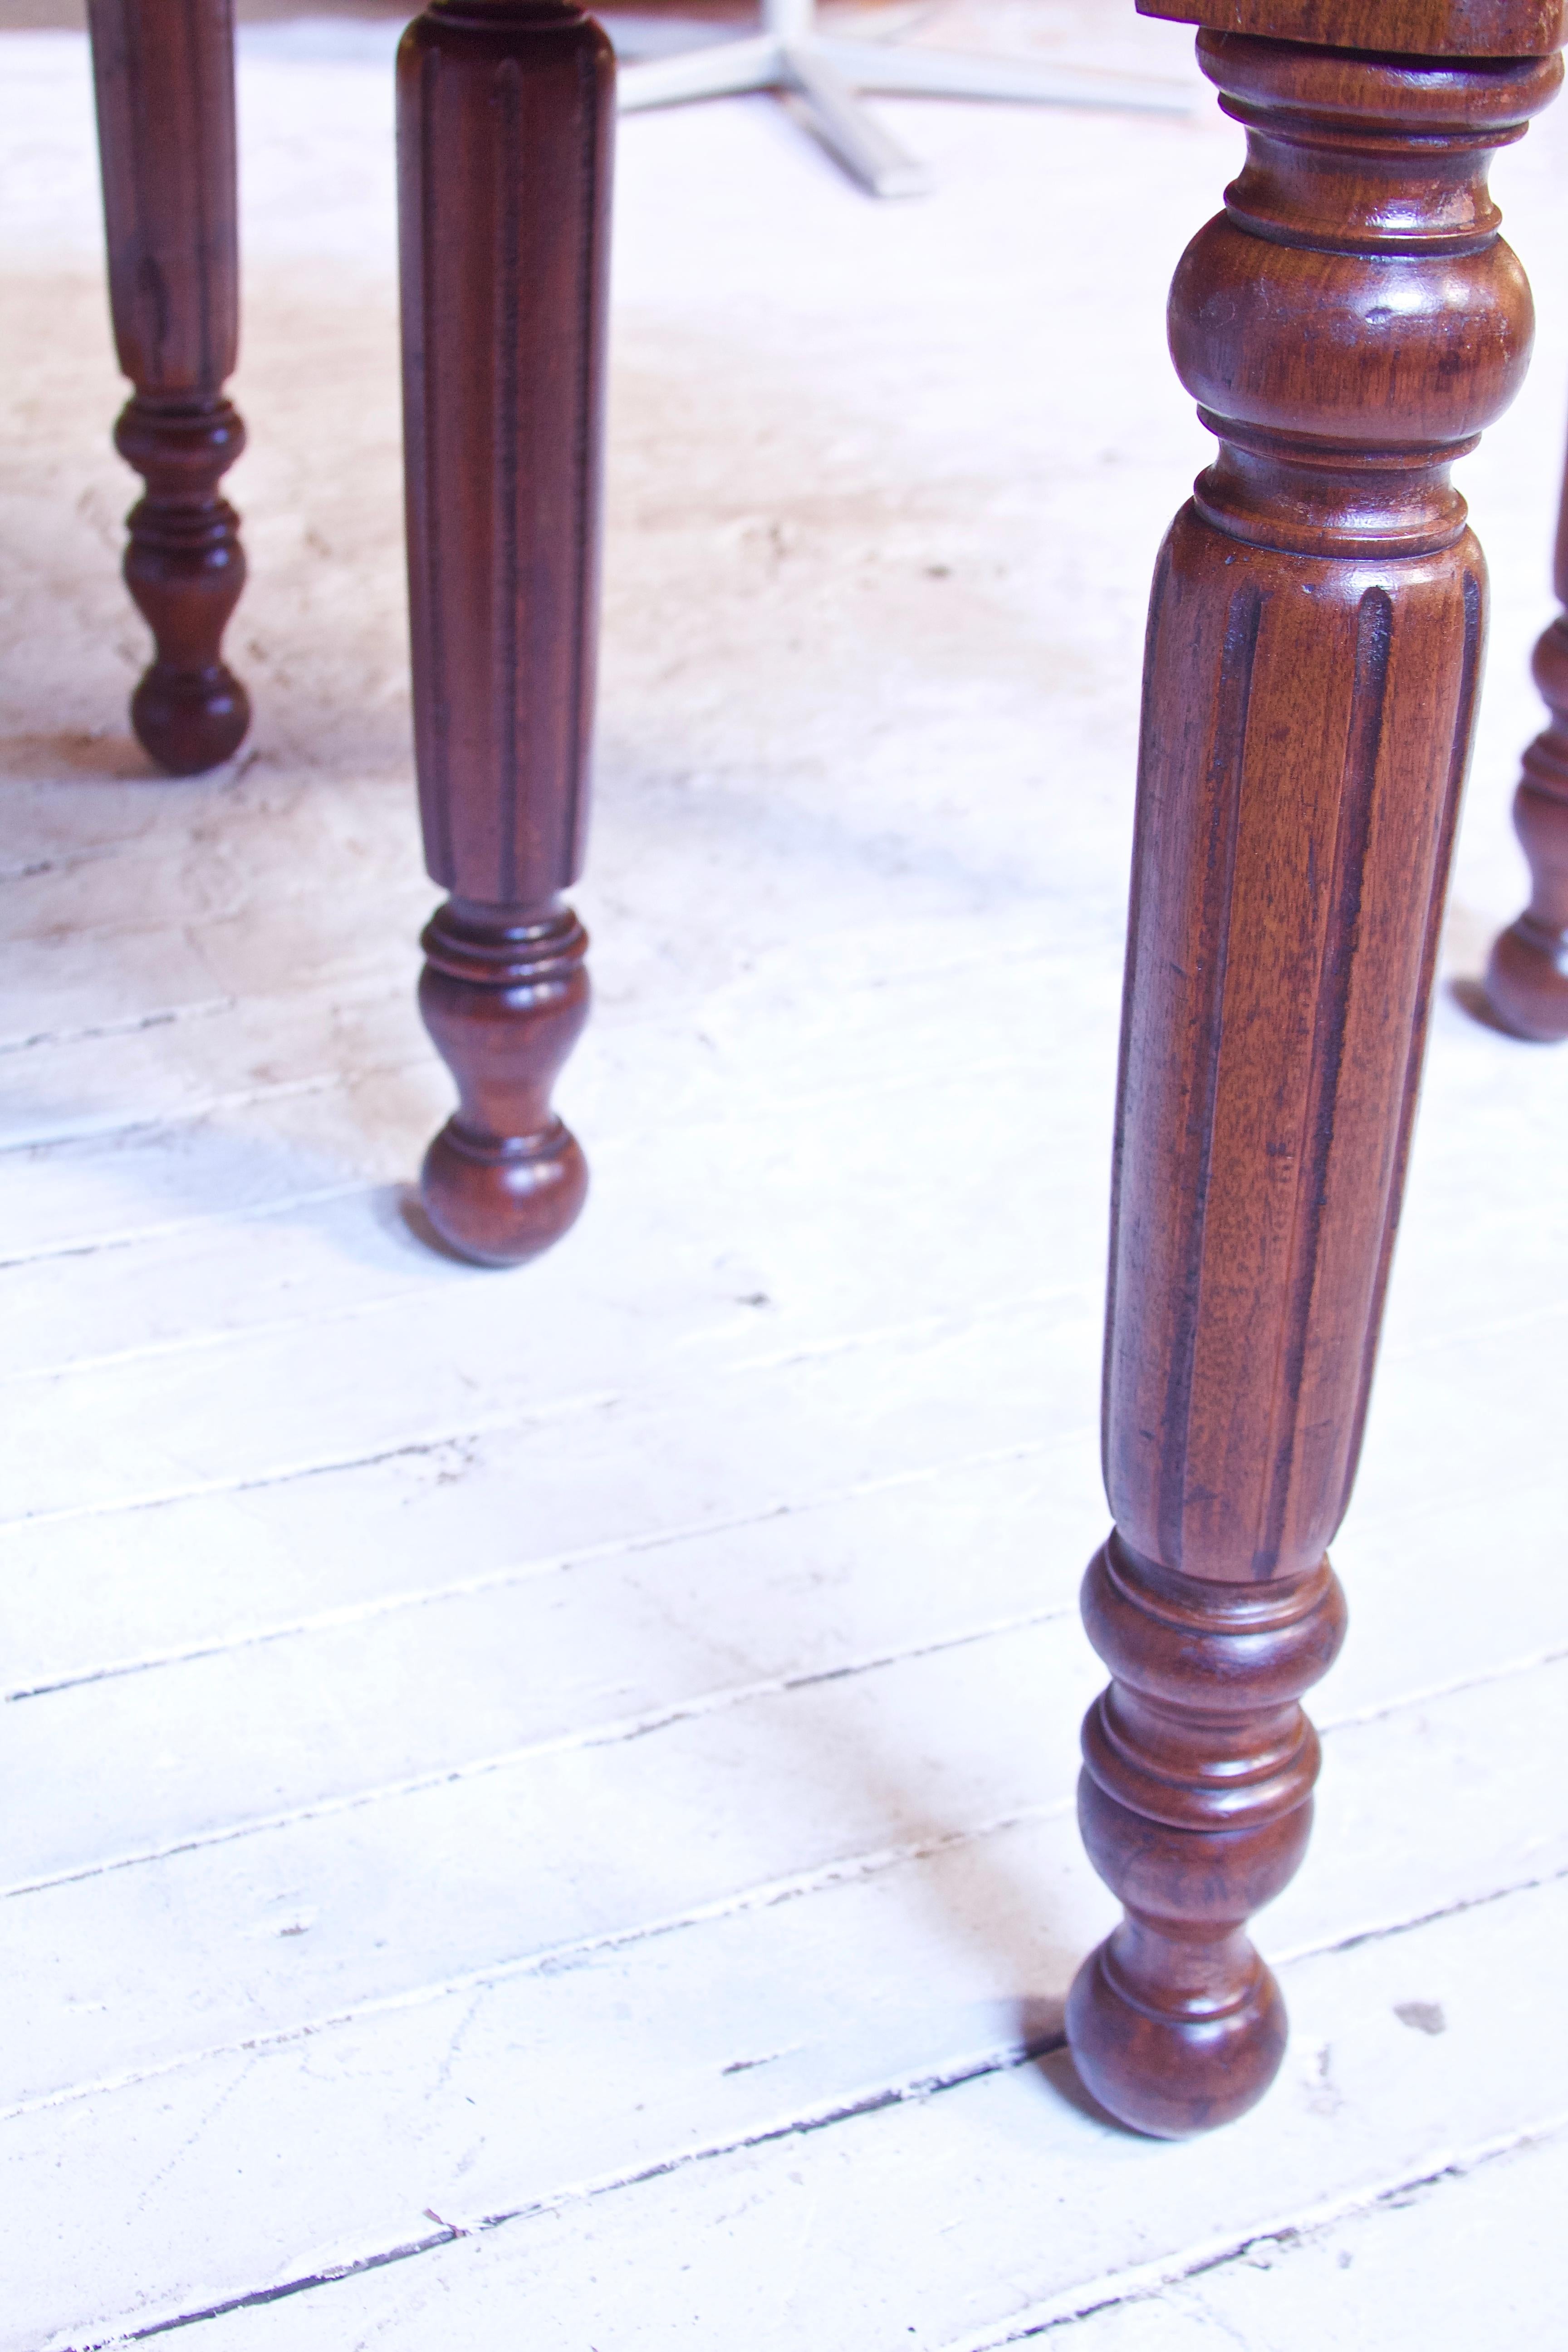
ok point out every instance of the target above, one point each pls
(828, 71)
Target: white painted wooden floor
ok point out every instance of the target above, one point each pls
(540, 1806)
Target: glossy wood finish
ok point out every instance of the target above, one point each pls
(1526, 977)
(1432, 28)
(164, 76)
(1348, 326)
(505, 124)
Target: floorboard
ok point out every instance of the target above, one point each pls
(994, 2205)
(552, 1797)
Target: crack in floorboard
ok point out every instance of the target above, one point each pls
(139, 1237)
(1148, 2279)
(1130, 2285)
(550, 1564)
(295, 1473)
(924, 2085)
(618, 1729)
(558, 1959)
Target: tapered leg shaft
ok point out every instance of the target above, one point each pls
(1527, 978)
(505, 123)
(1348, 325)
(164, 76)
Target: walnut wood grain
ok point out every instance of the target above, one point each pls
(1526, 977)
(163, 72)
(505, 125)
(1432, 28)
(1348, 325)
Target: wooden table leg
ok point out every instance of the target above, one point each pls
(1348, 325)
(164, 76)
(505, 127)
(1527, 978)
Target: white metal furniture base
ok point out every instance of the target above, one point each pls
(827, 76)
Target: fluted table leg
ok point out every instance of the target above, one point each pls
(1348, 324)
(164, 76)
(505, 123)
(1527, 978)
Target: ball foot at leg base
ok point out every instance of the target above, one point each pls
(190, 724)
(1174, 2074)
(499, 1204)
(1527, 989)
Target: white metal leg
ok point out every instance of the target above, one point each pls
(723, 70)
(827, 73)
(950, 73)
(867, 153)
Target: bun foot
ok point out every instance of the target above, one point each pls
(1195, 1807)
(501, 1203)
(504, 995)
(1170, 2073)
(190, 721)
(1527, 982)
(184, 568)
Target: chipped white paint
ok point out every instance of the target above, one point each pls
(546, 1801)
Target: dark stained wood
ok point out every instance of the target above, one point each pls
(505, 125)
(164, 76)
(1527, 978)
(1432, 28)
(1348, 325)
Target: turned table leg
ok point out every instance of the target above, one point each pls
(1348, 324)
(1527, 978)
(164, 76)
(505, 124)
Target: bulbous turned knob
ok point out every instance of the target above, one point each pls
(190, 720)
(1352, 319)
